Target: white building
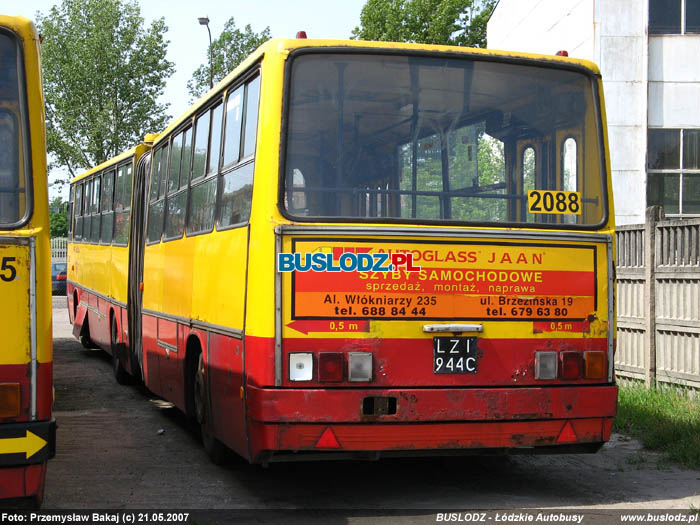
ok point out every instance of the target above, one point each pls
(647, 51)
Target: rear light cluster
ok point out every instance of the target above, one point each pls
(570, 365)
(9, 399)
(330, 367)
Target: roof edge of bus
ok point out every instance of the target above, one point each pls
(14, 20)
(285, 46)
(291, 44)
(109, 162)
(19, 24)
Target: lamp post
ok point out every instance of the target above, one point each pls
(204, 21)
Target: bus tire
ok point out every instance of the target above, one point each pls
(120, 374)
(216, 451)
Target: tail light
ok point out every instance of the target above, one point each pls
(359, 366)
(595, 364)
(60, 277)
(330, 367)
(546, 365)
(301, 366)
(571, 365)
(9, 399)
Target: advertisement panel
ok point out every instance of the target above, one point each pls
(449, 280)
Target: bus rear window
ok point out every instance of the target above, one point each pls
(428, 138)
(13, 138)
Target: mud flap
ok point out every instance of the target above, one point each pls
(79, 320)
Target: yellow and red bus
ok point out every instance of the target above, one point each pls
(98, 256)
(481, 176)
(27, 430)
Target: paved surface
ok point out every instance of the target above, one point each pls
(121, 447)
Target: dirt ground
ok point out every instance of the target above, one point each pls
(121, 447)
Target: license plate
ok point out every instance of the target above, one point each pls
(454, 355)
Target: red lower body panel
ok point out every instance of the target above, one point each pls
(426, 436)
(44, 389)
(429, 419)
(21, 482)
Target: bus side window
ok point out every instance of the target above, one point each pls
(122, 204)
(69, 211)
(176, 207)
(202, 202)
(185, 169)
(175, 161)
(96, 195)
(156, 204)
(155, 174)
(107, 208)
(86, 209)
(201, 140)
(237, 185)
(214, 154)
(87, 205)
(78, 211)
(236, 192)
(234, 119)
(252, 97)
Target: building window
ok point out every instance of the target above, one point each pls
(692, 16)
(674, 17)
(673, 166)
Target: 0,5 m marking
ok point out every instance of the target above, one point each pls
(7, 271)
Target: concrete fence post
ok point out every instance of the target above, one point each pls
(653, 215)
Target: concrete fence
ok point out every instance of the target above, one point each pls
(59, 249)
(658, 301)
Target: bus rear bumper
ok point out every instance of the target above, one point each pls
(26, 443)
(438, 420)
(24, 450)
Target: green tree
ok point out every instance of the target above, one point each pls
(58, 220)
(103, 73)
(227, 51)
(452, 22)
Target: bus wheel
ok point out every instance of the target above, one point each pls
(212, 446)
(119, 373)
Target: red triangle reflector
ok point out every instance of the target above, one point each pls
(327, 439)
(567, 434)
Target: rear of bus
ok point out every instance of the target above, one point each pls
(494, 329)
(27, 432)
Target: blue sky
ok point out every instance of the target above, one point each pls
(189, 40)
